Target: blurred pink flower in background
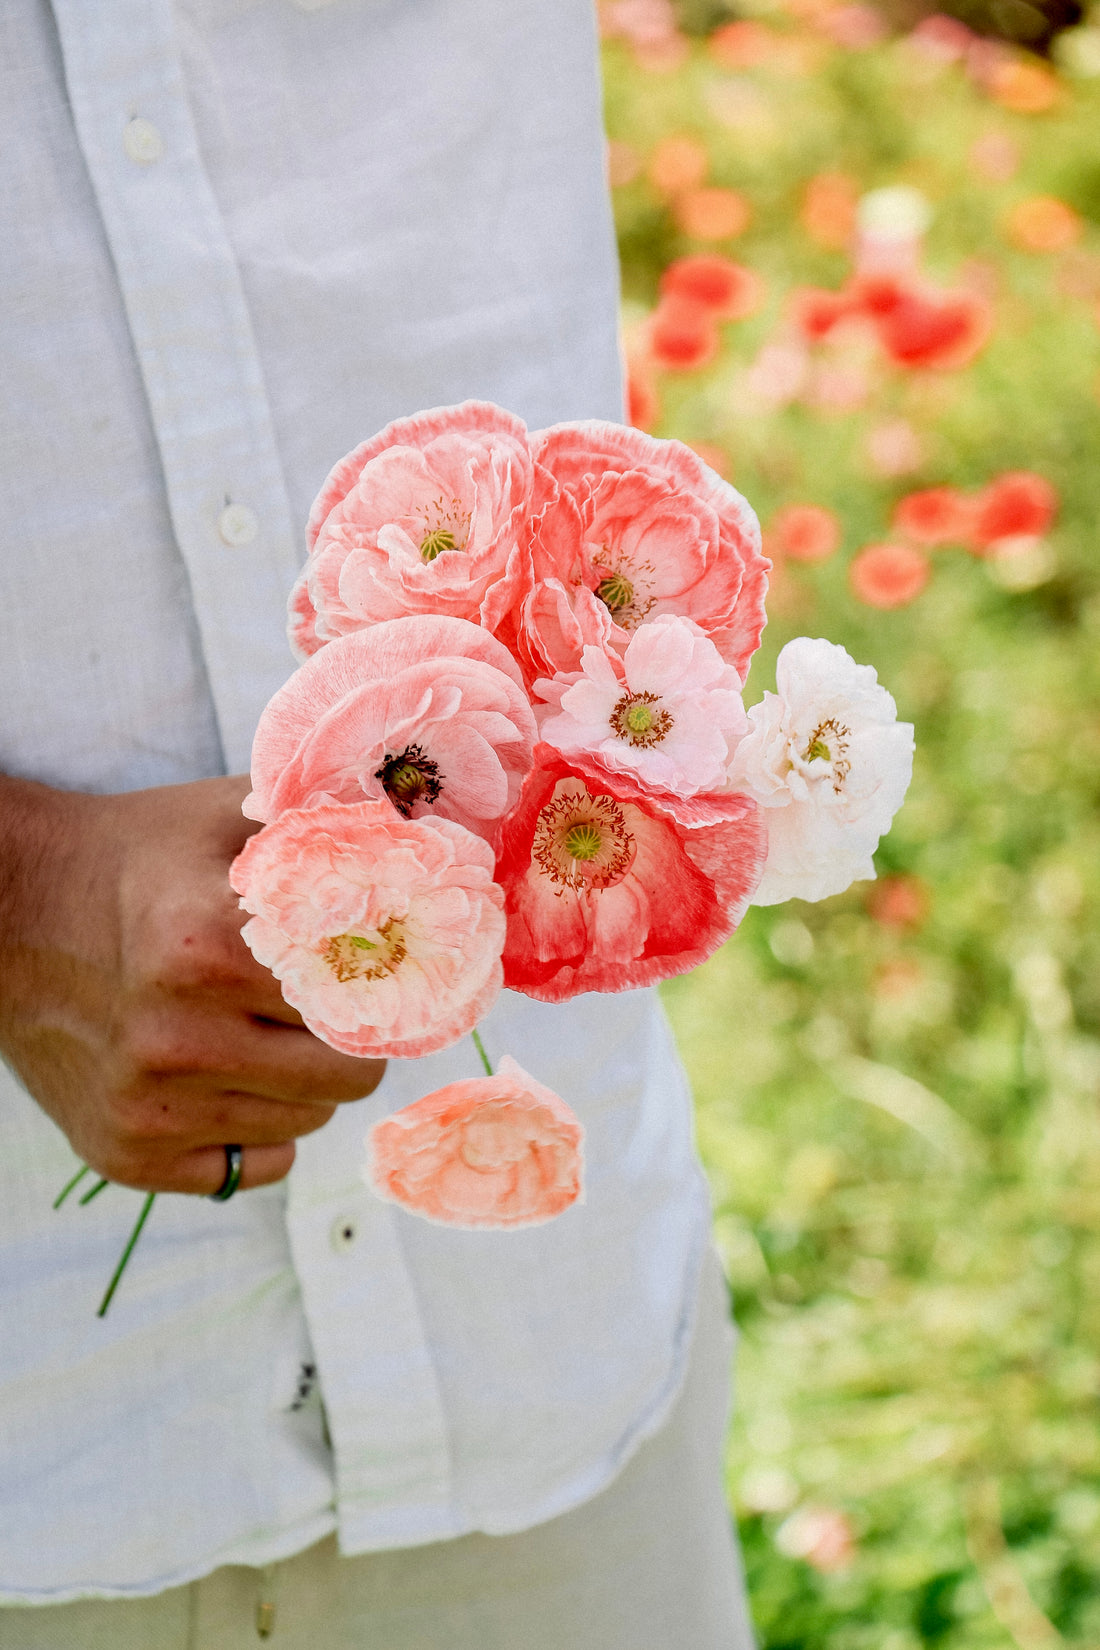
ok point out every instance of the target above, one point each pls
(489, 1152)
(894, 448)
(728, 290)
(803, 532)
(681, 335)
(828, 211)
(384, 933)
(934, 516)
(677, 162)
(888, 575)
(1018, 504)
(899, 901)
(712, 213)
(821, 1536)
(941, 39)
(1043, 223)
(996, 156)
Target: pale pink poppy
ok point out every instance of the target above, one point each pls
(384, 933)
(426, 517)
(669, 711)
(428, 711)
(607, 889)
(487, 1152)
(638, 527)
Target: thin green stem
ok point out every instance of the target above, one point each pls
(95, 1191)
(480, 1046)
(126, 1253)
(73, 1183)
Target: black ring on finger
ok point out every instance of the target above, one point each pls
(234, 1159)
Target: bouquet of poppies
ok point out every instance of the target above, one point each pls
(515, 753)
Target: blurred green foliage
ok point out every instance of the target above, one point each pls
(900, 1120)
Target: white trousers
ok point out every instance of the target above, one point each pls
(649, 1564)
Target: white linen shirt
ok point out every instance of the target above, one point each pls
(238, 237)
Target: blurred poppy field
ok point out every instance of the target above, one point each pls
(861, 276)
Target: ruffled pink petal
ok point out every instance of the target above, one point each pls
(384, 933)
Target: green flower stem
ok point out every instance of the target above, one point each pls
(126, 1253)
(71, 1185)
(480, 1046)
(95, 1191)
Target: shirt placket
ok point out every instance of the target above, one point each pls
(193, 337)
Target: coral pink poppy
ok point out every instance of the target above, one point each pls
(804, 532)
(711, 213)
(682, 335)
(729, 291)
(384, 933)
(488, 1152)
(423, 518)
(817, 312)
(1018, 504)
(934, 516)
(899, 901)
(634, 527)
(940, 331)
(428, 711)
(605, 889)
(669, 711)
(643, 407)
(678, 162)
(888, 575)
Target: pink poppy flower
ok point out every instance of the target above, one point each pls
(427, 711)
(607, 889)
(1018, 504)
(633, 527)
(669, 711)
(384, 933)
(423, 518)
(934, 516)
(488, 1152)
(888, 575)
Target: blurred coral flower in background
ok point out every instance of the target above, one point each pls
(888, 575)
(803, 532)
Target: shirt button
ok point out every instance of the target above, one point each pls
(238, 525)
(141, 141)
(343, 1234)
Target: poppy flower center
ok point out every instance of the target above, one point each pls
(638, 719)
(582, 841)
(446, 527)
(355, 957)
(409, 778)
(829, 743)
(623, 589)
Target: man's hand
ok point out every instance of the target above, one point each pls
(130, 1006)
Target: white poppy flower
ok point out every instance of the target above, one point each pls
(829, 761)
